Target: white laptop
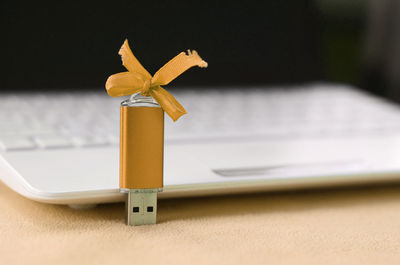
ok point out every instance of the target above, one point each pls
(62, 148)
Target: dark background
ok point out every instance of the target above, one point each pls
(69, 44)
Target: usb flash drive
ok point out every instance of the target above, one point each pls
(141, 157)
(142, 128)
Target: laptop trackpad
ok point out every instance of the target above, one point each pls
(231, 160)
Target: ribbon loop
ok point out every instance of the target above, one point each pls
(137, 79)
(177, 66)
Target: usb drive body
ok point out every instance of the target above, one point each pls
(141, 157)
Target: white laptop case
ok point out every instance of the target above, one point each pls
(63, 148)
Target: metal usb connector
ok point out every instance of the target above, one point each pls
(141, 206)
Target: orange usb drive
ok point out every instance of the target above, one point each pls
(141, 157)
(142, 128)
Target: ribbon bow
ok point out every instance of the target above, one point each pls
(137, 79)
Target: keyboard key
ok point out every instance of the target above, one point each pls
(16, 143)
(9, 130)
(53, 142)
(86, 141)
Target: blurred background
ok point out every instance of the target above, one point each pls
(74, 44)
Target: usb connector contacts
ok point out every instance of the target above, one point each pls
(141, 206)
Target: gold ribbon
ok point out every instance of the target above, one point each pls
(137, 79)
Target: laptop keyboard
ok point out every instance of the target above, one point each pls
(90, 119)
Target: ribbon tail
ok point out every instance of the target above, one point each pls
(123, 84)
(130, 62)
(176, 66)
(168, 103)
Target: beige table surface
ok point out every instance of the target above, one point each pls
(350, 226)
